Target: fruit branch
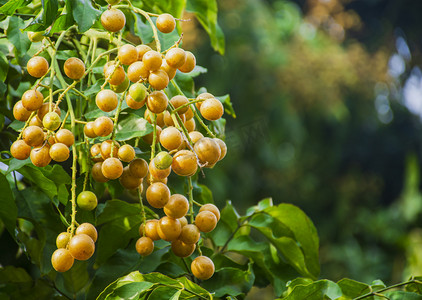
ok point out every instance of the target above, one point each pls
(197, 117)
(190, 194)
(141, 203)
(378, 292)
(154, 135)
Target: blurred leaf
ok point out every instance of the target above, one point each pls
(206, 12)
(230, 216)
(352, 288)
(415, 287)
(202, 193)
(4, 66)
(142, 29)
(11, 6)
(77, 277)
(119, 219)
(322, 289)
(19, 40)
(230, 281)
(8, 211)
(84, 14)
(228, 107)
(132, 126)
(16, 164)
(304, 231)
(16, 125)
(401, 295)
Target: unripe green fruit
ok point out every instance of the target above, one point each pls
(87, 200)
(35, 36)
(121, 87)
(138, 92)
(51, 121)
(163, 160)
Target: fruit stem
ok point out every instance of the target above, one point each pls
(85, 181)
(187, 104)
(65, 119)
(26, 124)
(154, 135)
(91, 77)
(147, 16)
(55, 65)
(194, 110)
(141, 203)
(190, 194)
(61, 96)
(116, 119)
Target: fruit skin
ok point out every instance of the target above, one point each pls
(182, 249)
(137, 71)
(202, 267)
(128, 181)
(163, 160)
(81, 246)
(190, 234)
(89, 130)
(59, 152)
(158, 194)
(190, 125)
(133, 104)
(33, 136)
(184, 163)
(151, 230)
(152, 60)
(142, 49)
(171, 72)
(144, 246)
(166, 23)
(176, 57)
(103, 126)
(65, 136)
(51, 121)
(205, 221)
(127, 54)
(138, 168)
(35, 37)
(62, 260)
(113, 20)
(74, 68)
(223, 148)
(212, 208)
(157, 173)
(37, 66)
(45, 108)
(20, 113)
(40, 156)
(87, 200)
(32, 100)
(112, 168)
(97, 172)
(207, 150)
(190, 63)
(212, 109)
(178, 101)
(158, 79)
(177, 206)
(88, 229)
(62, 240)
(169, 229)
(171, 138)
(121, 87)
(20, 150)
(157, 102)
(126, 153)
(138, 92)
(106, 100)
(195, 136)
(114, 74)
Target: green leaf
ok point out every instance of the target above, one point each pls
(62, 23)
(4, 66)
(18, 39)
(119, 219)
(206, 12)
(202, 193)
(304, 232)
(130, 290)
(50, 8)
(11, 274)
(132, 126)
(230, 281)
(36, 176)
(164, 292)
(191, 286)
(352, 288)
(142, 29)
(84, 14)
(401, 295)
(11, 6)
(322, 289)
(16, 125)
(77, 277)
(8, 211)
(415, 287)
(228, 107)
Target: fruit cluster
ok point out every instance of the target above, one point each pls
(138, 75)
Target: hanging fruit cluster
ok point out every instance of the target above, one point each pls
(138, 75)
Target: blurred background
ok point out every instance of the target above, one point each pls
(328, 97)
